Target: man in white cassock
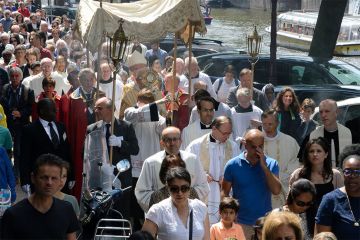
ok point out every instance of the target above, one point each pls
(149, 179)
(106, 85)
(244, 115)
(202, 126)
(214, 150)
(148, 125)
(284, 149)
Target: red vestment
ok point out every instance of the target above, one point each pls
(181, 112)
(57, 100)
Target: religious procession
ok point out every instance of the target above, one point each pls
(104, 135)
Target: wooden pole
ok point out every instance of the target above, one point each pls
(173, 80)
(113, 108)
(190, 56)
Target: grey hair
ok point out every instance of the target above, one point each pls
(242, 92)
(16, 70)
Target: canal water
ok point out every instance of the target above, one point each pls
(231, 26)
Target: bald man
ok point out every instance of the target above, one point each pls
(337, 135)
(253, 177)
(149, 180)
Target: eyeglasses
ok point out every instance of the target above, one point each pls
(351, 172)
(177, 189)
(169, 140)
(303, 204)
(224, 133)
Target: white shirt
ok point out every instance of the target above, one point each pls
(223, 110)
(164, 215)
(184, 83)
(46, 126)
(192, 132)
(224, 90)
(241, 121)
(107, 88)
(35, 83)
(147, 132)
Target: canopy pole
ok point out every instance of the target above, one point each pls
(87, 55)
(113, 111)
(190, 56)
(98, 72)
(173, 80)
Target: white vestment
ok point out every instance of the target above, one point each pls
(284, 149)
(148, 131)
(107, 88)
(241, 121)
(222, 110)
(149, 180)
(184, 83)
(217, 160)
(192, 132)
(345, 139)
(35, 83)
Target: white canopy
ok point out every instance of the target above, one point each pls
(144, 20)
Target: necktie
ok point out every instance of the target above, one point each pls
(54, 136)
(107, 135)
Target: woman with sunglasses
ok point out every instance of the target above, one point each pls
(178, 216)
(299, 199)
(318, 169)
(169, 161)
(339, 211)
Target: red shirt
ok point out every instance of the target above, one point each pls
(45, 53)
(25, 12)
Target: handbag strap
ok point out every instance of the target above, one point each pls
(191, 225)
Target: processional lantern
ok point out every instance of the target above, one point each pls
(117, 48)
(117, 44)
(254, 47)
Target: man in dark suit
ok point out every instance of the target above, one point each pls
(40, 137)
(34, 24)
(17, 101)
(124, 143)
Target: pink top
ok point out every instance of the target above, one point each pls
(219, 232)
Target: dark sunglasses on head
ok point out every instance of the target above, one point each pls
(351, 172)
(177, 189)
(303, 204)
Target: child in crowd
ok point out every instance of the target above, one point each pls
(307, 125)
(227, 229)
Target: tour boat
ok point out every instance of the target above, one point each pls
(295, 30)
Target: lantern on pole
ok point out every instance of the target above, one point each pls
(254, 47)
(117, 48)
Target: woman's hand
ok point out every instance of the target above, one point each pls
(150, 227)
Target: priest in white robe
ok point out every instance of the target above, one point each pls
(244, 115)
(149, 179)
(148, 125)
(201, 126)
(106, 85)
(214, 150)
(284, 149)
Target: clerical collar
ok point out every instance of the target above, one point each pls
(106, 81)
(212, 139)
(240, 109)
(204, 126)
(272, 138)
(196, 76)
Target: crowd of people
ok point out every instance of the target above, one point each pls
(220, 160)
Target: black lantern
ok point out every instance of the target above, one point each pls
(118, 42)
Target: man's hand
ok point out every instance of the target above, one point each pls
(115, 141)
(26, 188)
(16, 114)
(71, 184)
(261, 156)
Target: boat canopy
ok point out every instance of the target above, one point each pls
(144, 20)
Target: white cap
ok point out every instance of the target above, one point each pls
(135, 58)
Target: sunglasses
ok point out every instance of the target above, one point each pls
(351, 172)
(177, 189)
(303, 204)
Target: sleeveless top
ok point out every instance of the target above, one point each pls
(321, 190)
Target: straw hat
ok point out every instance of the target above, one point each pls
(135, 58)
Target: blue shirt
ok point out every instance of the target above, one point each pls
(249, 187)
(334, 211)
(161, 54)
(7, 179)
